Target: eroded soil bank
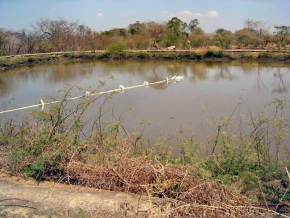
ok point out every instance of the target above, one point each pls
(27, 198)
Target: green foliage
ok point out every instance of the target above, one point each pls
(143, 55)
(223, 38)
(116, 50)
(69, 55)
(177, 26)
(46, 143)
(177, 34)
(115, 32)
(265, 55)
(281, 33)
(247, 38)
(212, 53)
(198, 38)
(193, 24)
(136, 28)
(80, 55)
(195, 56)
(245, 163)
(31, 60)
(249, 56)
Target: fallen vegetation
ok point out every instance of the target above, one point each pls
(232, 174)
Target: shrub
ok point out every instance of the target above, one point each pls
(31, 60)
(143, 55)
(69, 55)
(116, 50)
(249, 56)
(201, 51)
(265, 55)
(214, 52)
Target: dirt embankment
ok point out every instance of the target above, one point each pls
(27, 198)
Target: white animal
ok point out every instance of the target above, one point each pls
(171, 47)
(177, 78)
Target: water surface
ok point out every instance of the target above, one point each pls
(209, 90)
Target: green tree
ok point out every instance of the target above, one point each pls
(193, 24)
(118, 32)
(136, 28)
(198, 38)
(177, 34)
(247, 38)
(177, 26)
(223, 38)
(282, 32)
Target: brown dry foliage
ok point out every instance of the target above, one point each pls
(182, 193)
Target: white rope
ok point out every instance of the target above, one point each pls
(121, 89)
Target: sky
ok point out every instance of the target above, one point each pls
(102, 15)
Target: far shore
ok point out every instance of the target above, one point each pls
(15, 61)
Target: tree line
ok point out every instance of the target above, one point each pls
(62, 35)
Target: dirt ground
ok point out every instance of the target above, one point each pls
(27, 198)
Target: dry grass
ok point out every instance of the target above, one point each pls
(182, 192)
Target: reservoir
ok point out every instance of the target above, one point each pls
(195, 105)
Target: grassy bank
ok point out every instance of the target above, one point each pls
(233, 172)
(199, 54)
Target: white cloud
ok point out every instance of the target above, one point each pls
(100, 15)
(212, 14)
(197, 15)
(189, 14)
(185, 13)
(185, 16)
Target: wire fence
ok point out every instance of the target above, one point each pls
(121, 88)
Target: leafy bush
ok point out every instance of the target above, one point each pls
(31, 60)
(249, 56)
(214, 52)
(265, 55)
(143, 55)
(116, 50)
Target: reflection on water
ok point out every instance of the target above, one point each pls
(217, 86)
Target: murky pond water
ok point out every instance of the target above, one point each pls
(209, 89)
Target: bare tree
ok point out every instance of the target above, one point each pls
(57, 32)
(85, 37)
(260, 27)
(3, 41)
(250, 24)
